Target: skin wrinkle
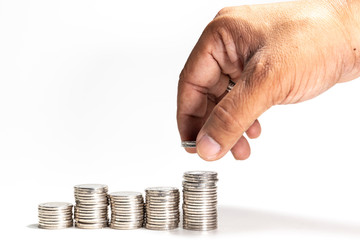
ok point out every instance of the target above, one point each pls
(229, 45)
(232, 74)
(302, 76)
(197, 88)
(222, 114)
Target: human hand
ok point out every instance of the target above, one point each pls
(278, 53)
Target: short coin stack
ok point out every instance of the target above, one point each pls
(127, 210)
(162, 208)
(55, 215)
(200, 200)
(91, 209)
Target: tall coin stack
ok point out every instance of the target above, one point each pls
(200, 200)
(127, 210)
(162, 208)
(55, 215)
(91, 209)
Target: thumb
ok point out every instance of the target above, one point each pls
(235, 113)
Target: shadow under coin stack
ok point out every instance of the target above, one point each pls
(55, 215)
(91, 209)
(200, 200)
(127, 210)
(162, 208)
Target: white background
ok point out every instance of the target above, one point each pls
(88, 95)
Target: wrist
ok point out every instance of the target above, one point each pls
(354, 6)
(348, 12)
(347, 16)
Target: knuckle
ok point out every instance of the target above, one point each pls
(264, 73)
(223, 11)
(223, 23)
(262, 66)
(222, 29)
(225, 120)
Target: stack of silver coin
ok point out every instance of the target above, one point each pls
(91, 209)
(200, 200)
(127, 210)
(162, 208)
(55, 215)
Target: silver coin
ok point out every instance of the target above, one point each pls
(166, 220)
(90, 186)
(188, 144)
(189, 211)
(161, 204)
(125, 227)
(126, 194)
(199, 193)
(90, 216)
(130, 200)
(200, 203)
(162, 199)
(161, 228)
(199, 186)
(92, 221)
(57, 218)
(89, 193)
(199, 228)
(200, 176)
(200, 173)
(54, 214)
(127, 214)
(127, 223)
(119, 207)
(199, 206)
(198, 221)
(55, 227)
(55, 205)
(199, 224)
(90, 226)
(202, 216)
(135, 202)
(162, 216)
(83, 212)
(191, 199)
(126, 218)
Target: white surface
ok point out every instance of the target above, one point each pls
(88, 95)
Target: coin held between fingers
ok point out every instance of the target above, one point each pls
(188, 144)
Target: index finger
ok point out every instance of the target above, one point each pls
(201, 73)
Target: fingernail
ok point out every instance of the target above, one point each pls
(207, 147)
